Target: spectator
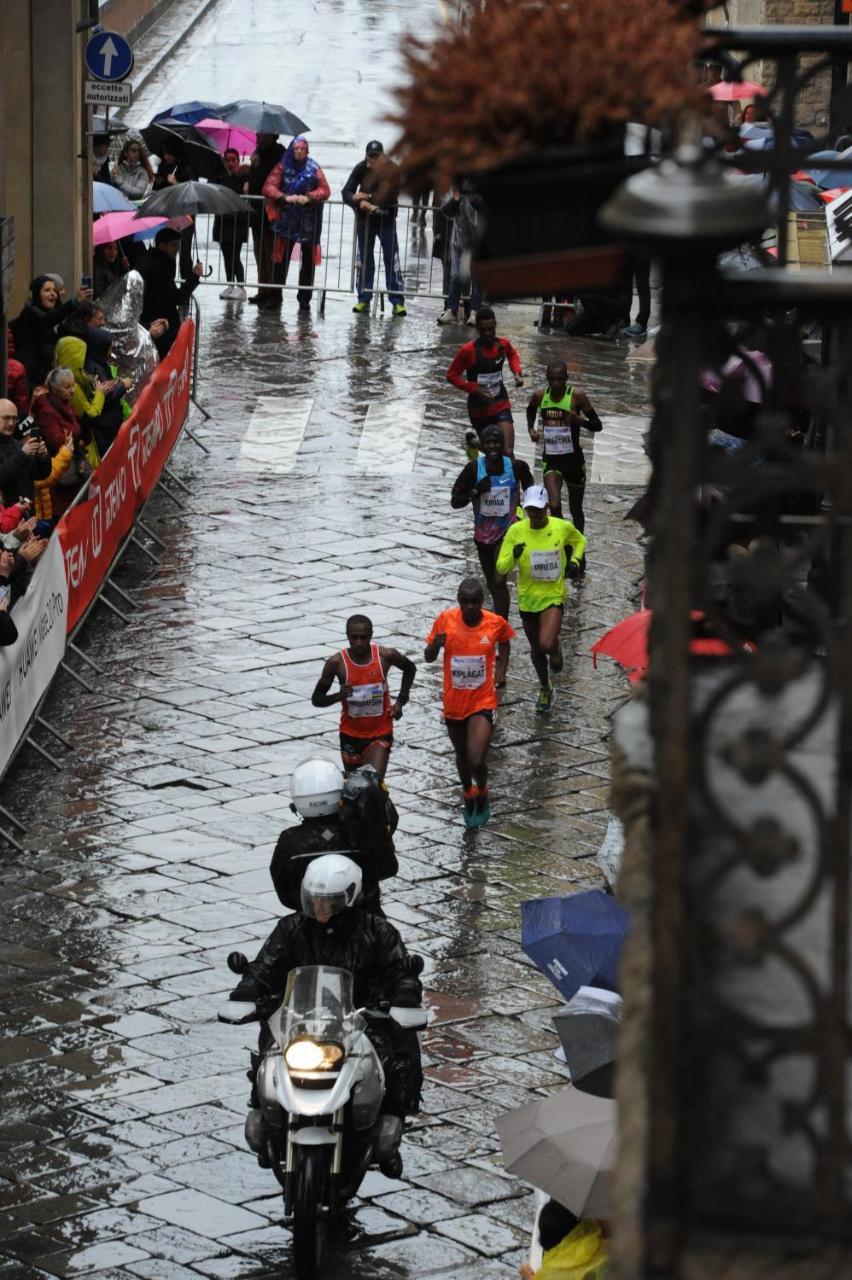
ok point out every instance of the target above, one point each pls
(639, 263)
(34, 327)
(230, 230)
(163, 299)
(53, 413)
(132, 174)
(268, 154)
(8, 630)
(16, 377)
(96, 401)
(81, 320)
(44, 506)
(375, 221)
(109, 265)
(99, 364)
(21, 462)
(298, 187)
(175, 168)
(100, 159)
(604, 311)
(462, 209)
(16, 568)
(574, 1248)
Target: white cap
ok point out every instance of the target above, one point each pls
(535, 496)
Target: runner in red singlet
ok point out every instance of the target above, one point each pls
(367, 711)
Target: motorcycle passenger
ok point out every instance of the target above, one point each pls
(354, 818)
(333, 928)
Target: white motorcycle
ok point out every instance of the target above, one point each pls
(320, 1086)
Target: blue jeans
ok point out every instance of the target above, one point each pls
(383, 229)
(461, 281)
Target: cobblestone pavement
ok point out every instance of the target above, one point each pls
(121, 1150)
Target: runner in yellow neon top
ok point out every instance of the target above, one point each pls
(544, 550)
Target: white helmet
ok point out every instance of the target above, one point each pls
(316, 787)
(330, 885)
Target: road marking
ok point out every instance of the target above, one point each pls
(390, 438)
(275, 434)
(618, 456)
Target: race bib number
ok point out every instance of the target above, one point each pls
(490, 382)
(558, 440)
(366, 700)
(496, 502)
(467, 672)
(546, 566)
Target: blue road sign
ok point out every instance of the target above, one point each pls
(109, 56)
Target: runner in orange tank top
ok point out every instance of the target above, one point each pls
(367, 712)
(475, 643)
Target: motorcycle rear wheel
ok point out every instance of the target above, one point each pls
(310, 1181)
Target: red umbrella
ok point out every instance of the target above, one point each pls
(734, 90)
(828, 196)
(627, 643)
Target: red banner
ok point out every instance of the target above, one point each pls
(92, 532)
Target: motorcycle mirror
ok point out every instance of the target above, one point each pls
(237, 962)
(410, 1019)
(238, 1013)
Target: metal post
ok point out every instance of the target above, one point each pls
(80, 654)
(30, 742)
(45, 724)
(146, 551)
(10, 817)
(90, 688)
(167, 471)
(145, 529)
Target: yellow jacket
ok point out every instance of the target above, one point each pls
(582, 1255)
(70, 354)
(43, 504)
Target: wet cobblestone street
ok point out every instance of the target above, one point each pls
(121, 1140)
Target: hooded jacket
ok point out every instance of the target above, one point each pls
(582, 1255)
(70, 354)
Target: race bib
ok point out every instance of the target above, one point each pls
(490, 382)
(558, 440)
(496, 502)
(467, 672)
(366, 700)
(546, 566)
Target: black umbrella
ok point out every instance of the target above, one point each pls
(185, 141)
(262, 117)
(191, 198)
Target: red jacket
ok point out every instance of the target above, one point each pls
(16, 377)
(54, 417)
(461, 373)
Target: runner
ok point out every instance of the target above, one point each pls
(493, 484)
(472, 639)
(367, 714)
(478, 370)
(560, 407)
(538, 545)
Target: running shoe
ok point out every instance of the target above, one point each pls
(471, 319)
(482, 809)
(361, 307)
(556, 661)
(399, 310)
(544, 701)
(470, 810)
(447, 317)
(471, 443)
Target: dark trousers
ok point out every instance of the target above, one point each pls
(600, 312)
(368, 232)
(231, 256)
(306, 268)
(187, 257)
(263, 243)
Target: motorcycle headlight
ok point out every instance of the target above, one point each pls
(313, 1055)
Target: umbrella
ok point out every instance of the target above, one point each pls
(587, 1027)
(186, 141)
(224, 135)
(627, 642)
(107, 199)
(187, 112)
(190, 198)
(115, 226)
(262, 117)
(565, 1145)
(575, 941)
(833, 193)
(827, 178)
(734, 90)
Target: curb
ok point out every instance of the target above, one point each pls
(139, 83)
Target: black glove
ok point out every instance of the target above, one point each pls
(518, 550)
(483, 485)
(246, 989)
(572, 568)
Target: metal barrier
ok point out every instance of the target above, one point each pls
(338, 270)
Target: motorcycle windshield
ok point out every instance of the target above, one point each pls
(318, 1002)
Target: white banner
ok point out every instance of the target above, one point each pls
(28, 666)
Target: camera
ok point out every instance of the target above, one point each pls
(30, 429)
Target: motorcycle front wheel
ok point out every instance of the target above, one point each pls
(310, 1183)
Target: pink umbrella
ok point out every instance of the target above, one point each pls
(733, 90)
(115, 226)
(224, 135)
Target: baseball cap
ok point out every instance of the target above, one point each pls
(535, 496)
(374, 148)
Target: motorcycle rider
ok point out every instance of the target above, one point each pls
(352, 817)
(334, 928)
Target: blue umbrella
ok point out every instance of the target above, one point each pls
(107, 199)
(828, 178)
(188, 112)
(575, 941)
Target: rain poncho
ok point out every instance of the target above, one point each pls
(71, 354)
(132, 346)
(582, 1255)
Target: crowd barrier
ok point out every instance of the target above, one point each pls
(86, 544)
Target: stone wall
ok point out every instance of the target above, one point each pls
(131, 17)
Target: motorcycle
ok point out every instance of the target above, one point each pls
(320, 1086)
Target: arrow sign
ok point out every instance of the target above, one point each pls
(109, 56)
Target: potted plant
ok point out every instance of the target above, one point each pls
(531, 102)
